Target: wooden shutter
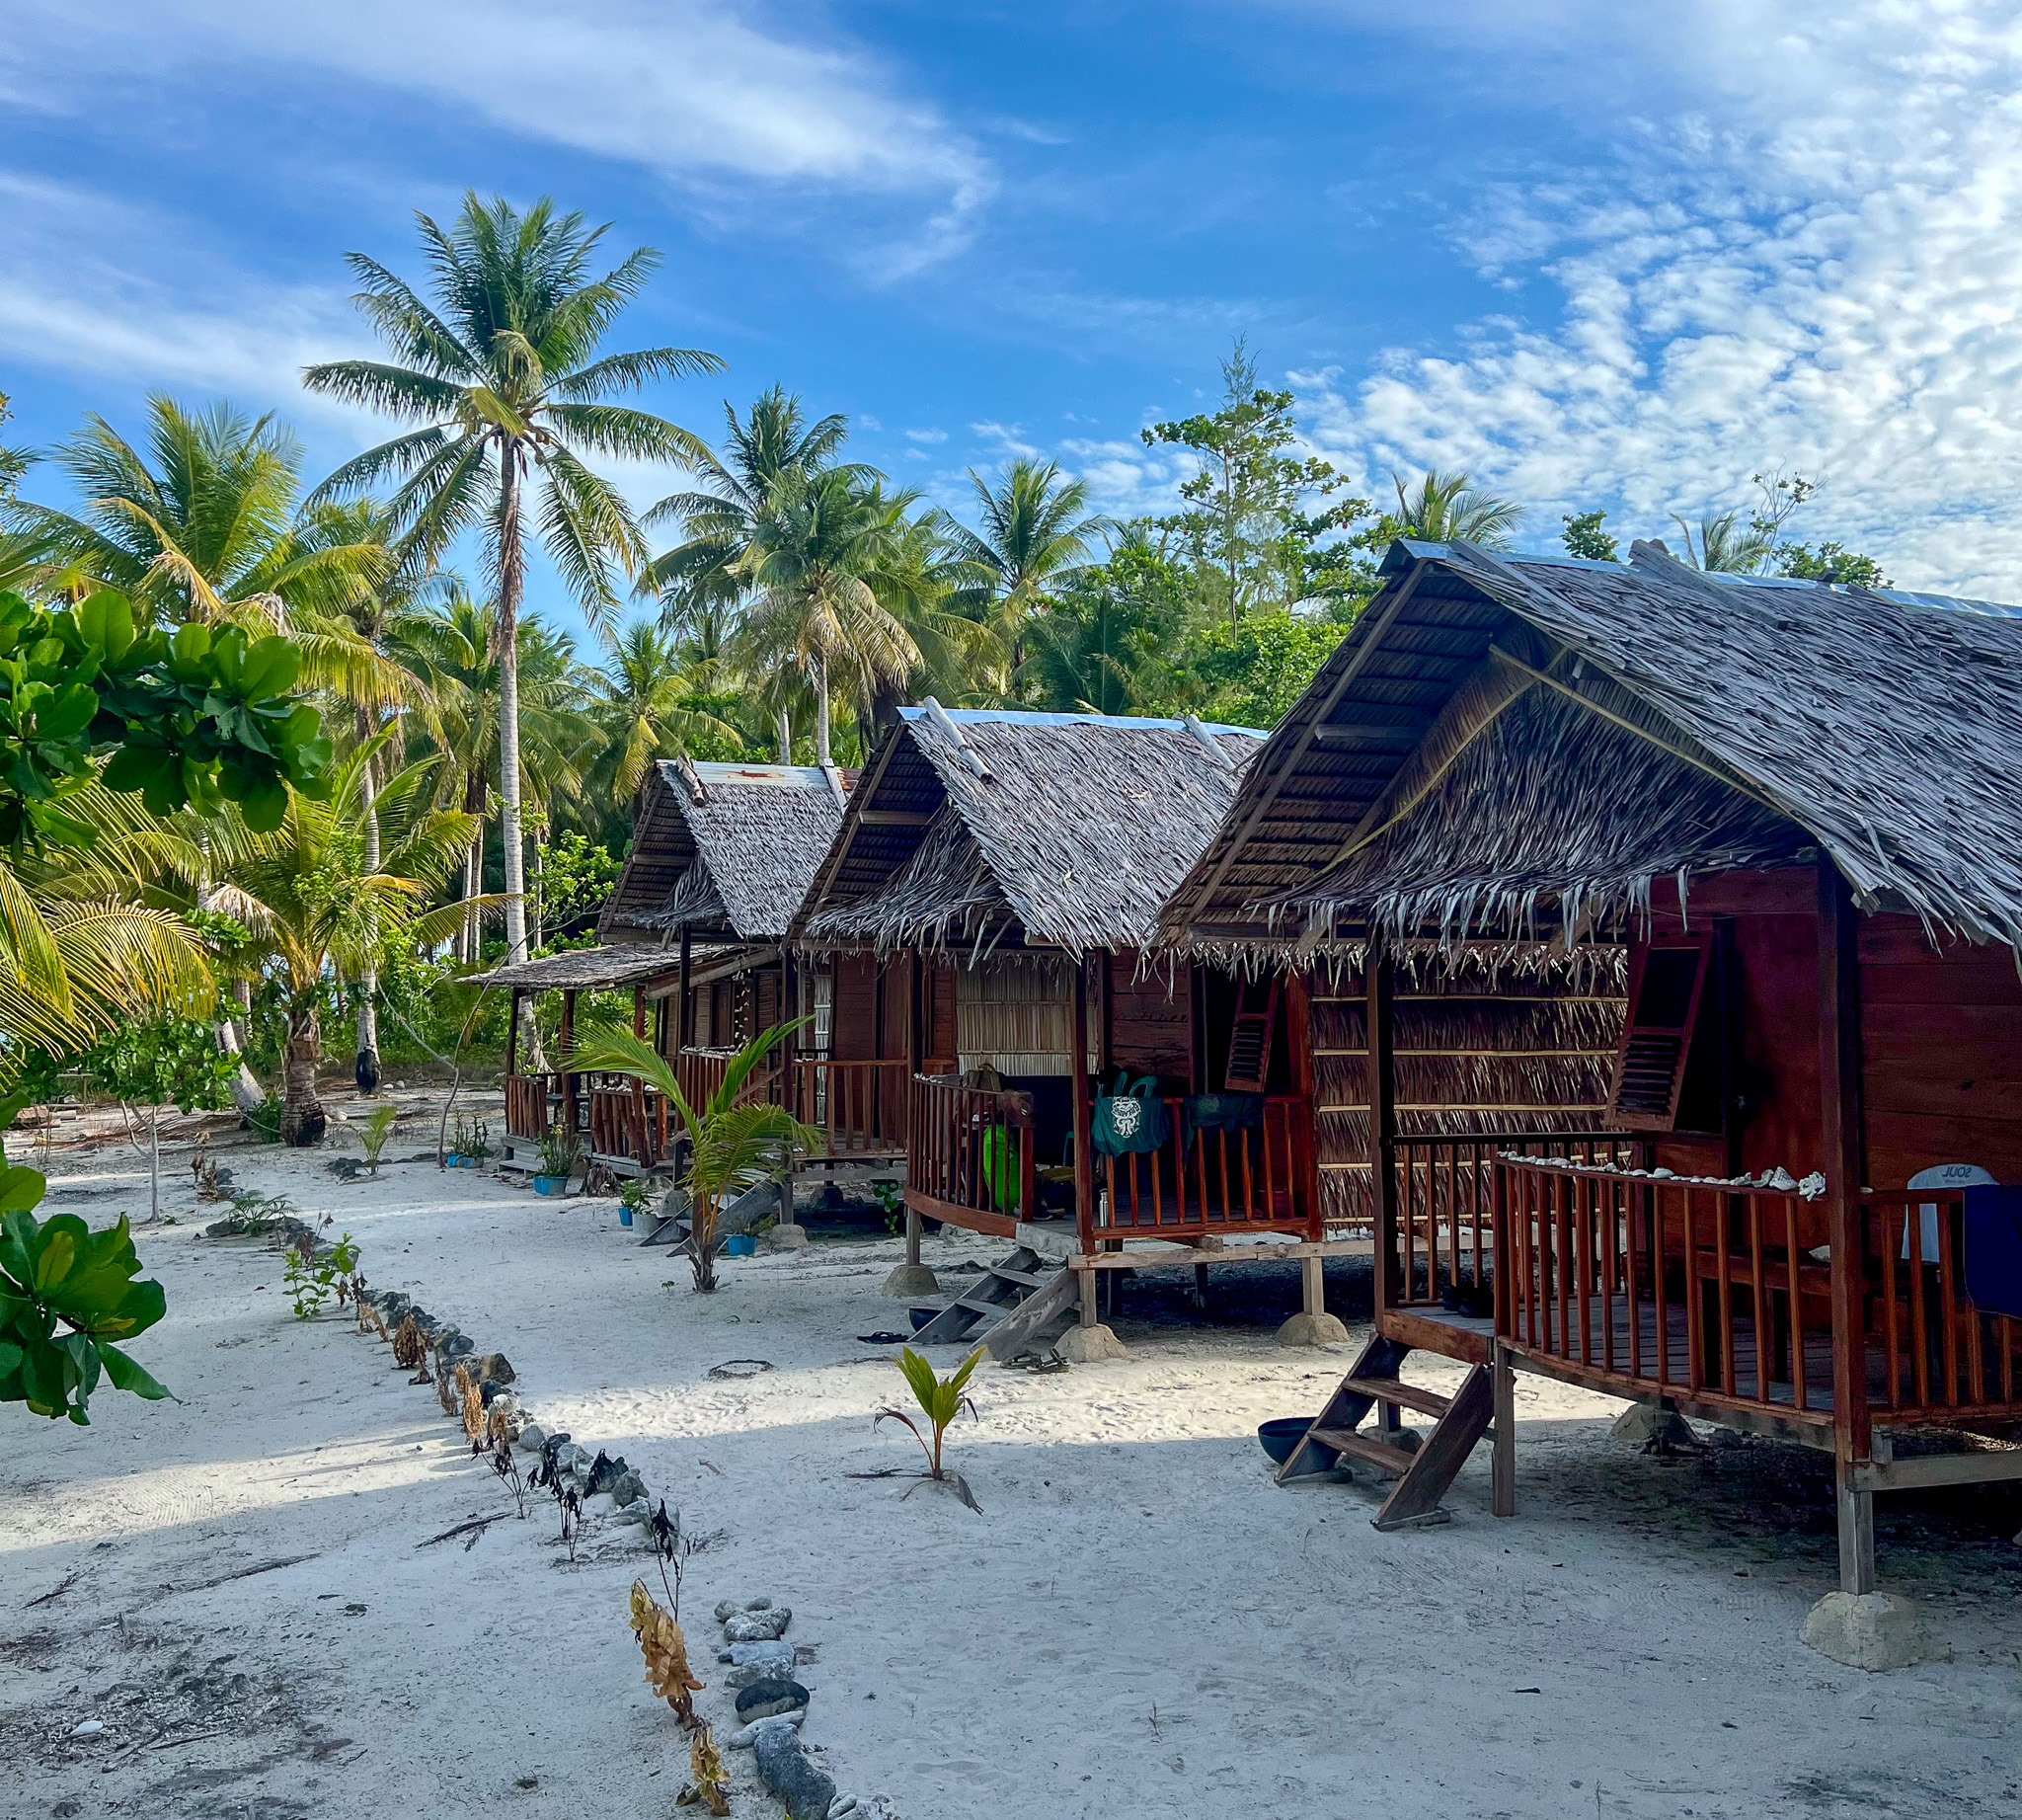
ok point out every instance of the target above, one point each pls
(853, 1015)
(1666, 981)
(1249, 1033)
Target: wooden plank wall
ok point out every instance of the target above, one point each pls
(1151, 1022)
(1941, 1054)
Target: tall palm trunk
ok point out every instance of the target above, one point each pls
(301, 1117)
(367, 1069)
(785, 737)
(822, 755)
(512, 584)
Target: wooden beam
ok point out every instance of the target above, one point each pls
(1084, 1159)
(685, 1026)
(1975, 1468)
(1401, 735)
(893, 817)
(1382, 1072)
(1839, 1132)
(1372, 625)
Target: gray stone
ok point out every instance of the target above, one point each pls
(757, 1626)
(1653, 1427)
(767, 1698)
(533, 1437)
(786, 1770)
(785, 1239)
(639, 1512)
(1091, 1345)
(747, 1737)
(628, 1488)
(758, 1660)
(496, 1366)
(909, 1280)
(1876, 1631)
(1304, 1330)
(726, 1608)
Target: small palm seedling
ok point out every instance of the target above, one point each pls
(941, 1400)
(471, 1406)
(666, 1655)
(736, 1139)
(374, 1134)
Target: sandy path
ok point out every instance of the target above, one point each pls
(1140, 1623)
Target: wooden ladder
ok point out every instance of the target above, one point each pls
(1249, 1033)
(1421, 1478)
(1008, 1308)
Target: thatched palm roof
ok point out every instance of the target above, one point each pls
(725, 850)
(1501, 740)
(993, 828)
(582, 969)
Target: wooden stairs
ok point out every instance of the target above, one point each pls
(1022, 1303)
(1421, 1477)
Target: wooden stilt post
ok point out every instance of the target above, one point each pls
(1503, 1464)
(1839, 1119)
(1382, 1067)
(684, 1017)
(1314, 1283)
(1084, 1156)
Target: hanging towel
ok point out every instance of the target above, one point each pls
(1993, 1250)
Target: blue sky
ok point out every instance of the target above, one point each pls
(1599, 254)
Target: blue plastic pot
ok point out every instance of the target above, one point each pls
(453, 1161)
(741, 1245)
(624, 1215)
(551, 1184)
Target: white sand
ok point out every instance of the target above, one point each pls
(1139, 1624)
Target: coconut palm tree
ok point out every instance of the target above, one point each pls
(205, 523)
(817, 544)
(307, 895)
(718, 517)
(1037, 531)
(643, 703)
(1450, 509)
(453, 645)
(932, 590)
(1723, 543)
(503, 377)
(732, 1142)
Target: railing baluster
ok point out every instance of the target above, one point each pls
(1948, 1308)
(1724, 1245)
(1250, 1212)
(1221, 1157)
(1755, 1267)
(1660, 1286)
(1694, 1298)
(1797, 1315)
(1630, 1275)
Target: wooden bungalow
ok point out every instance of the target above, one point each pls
(1792, 812)
(1012, 865)
(722, 855)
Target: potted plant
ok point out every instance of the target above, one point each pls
(558, 1154)
(634, 1194)
(732, 1142)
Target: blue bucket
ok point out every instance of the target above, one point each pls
(741, 1244)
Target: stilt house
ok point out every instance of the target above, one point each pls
(1792, 813)
(1011, 866)
(722, 855)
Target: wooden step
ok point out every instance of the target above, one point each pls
(1416, 1496)
(982, 1304)
(1395, 1391)
(1029, 1279)
(1352, 1442)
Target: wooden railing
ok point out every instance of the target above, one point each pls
(1933, 1355)
(859, 1106)
(627, 1120)
(1445, 1225)
(969, 1154)
(530, 1110)
(1213, 1180)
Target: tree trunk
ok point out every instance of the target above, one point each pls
(822, 755)
(702, 1214)
(301, 1118)
(247, 1093)
(154, 1163)
(540, 904)
(785, 737)
(511, 584)
(367, 1069)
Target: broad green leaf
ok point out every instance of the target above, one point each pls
(69, 711)
(22, 1190)
(106, 619)
(127, 1376)
(55, 1253)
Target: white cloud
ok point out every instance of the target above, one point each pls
(684, 87)
(1817, 267)
(926, 436)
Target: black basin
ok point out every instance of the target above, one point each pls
(1279, 1438)
(920, 1318)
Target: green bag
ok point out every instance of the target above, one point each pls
(1000, 1169)
(1129, 1119)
